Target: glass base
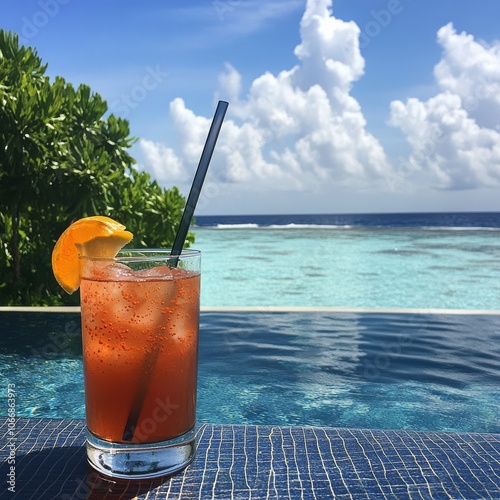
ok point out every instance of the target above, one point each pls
(141, 461)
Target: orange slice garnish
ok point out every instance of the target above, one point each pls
(95, 236)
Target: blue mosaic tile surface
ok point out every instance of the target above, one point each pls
(257, 462)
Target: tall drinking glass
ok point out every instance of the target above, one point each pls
(140, 319)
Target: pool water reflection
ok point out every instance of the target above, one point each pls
(374, 370)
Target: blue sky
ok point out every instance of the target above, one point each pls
(350, 106)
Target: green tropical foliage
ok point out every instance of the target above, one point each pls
(61, 159)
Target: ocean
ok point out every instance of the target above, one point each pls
(403, 260)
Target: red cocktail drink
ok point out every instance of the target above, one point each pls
(140, 318)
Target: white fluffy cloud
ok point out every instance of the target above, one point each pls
(455, 136)
(298, 129)
(162, 161)
(301, 129)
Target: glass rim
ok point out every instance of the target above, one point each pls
(144, 254)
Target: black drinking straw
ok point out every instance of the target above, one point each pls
(180, 238)
(199, 177)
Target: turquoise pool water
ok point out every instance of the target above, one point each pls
(348, 369)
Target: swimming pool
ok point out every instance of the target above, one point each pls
(379, 370)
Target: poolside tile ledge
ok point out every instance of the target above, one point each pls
(248, 461)
(360, 310)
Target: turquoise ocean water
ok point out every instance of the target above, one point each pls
(444, 261)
